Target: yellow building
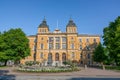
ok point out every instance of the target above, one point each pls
(53, 48)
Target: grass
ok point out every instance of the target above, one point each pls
(3, 66)
(112, 67)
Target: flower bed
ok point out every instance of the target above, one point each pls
(47, 69)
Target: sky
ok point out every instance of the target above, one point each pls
(90, 16)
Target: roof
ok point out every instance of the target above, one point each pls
(71, 23)
(88, 35)
(31, 36)
(43, 24)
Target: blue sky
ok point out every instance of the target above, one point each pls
(90, 16)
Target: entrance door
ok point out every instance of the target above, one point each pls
(50, 59)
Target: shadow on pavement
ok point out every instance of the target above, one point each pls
(94, 78)
(5, 76)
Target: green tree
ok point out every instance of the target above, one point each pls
(99, 55)
(3, 57)
(111, 39)
(15, 45)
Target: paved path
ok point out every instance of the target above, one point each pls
(89, 74)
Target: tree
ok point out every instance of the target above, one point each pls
(3, 57)
(15, 45)
(111, 39)
(99, 55)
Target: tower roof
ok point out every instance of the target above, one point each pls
(71, 23)
(43, 24)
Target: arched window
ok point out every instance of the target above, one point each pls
(63, 57)
(56, 57)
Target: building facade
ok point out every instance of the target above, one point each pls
(54, 48)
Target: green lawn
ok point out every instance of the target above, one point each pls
(112, 67)
(3, 67)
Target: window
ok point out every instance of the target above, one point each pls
(88, 56)
(42, 38)
(80, 47)
(51, 46)
(51, 39)
(72, 46)
(73, 55)
(49, 57)
(94, 40)
(35, 40)
(41, 55)
(57, 45)
(81, 56)
(56, 57)
(72, 39)
(87, 47)
(57, 39)
(80, 40)
(63, 46)
(63, 57)
(64, 39)
(42, 30)
(41, 46)
(87, 40)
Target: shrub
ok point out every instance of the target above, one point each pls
(30, 63)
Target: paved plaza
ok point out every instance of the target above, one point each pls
(88, 74)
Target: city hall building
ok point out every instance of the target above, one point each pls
(54, 48)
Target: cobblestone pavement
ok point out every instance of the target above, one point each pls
(88, 74)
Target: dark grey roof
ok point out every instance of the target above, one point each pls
(71, 23)
(31, 36)
(88, 35)
(43, 24)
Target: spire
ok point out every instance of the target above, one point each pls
(44, 19)
(57, 24)
(70, 17)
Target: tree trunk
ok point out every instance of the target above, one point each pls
(5, 63)
(103, 66)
